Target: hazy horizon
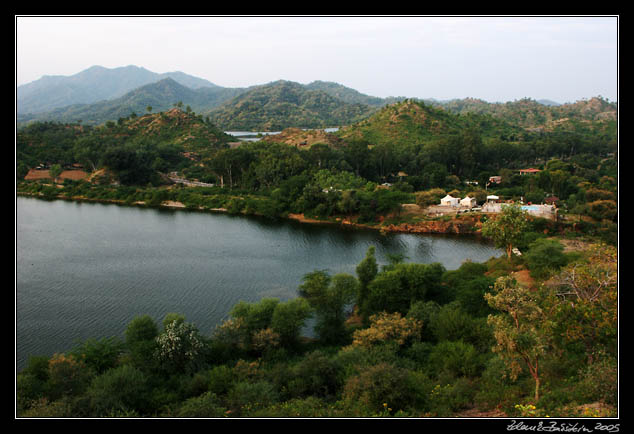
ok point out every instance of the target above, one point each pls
(496, 59)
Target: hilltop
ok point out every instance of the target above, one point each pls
(284, 104)
(413, 122)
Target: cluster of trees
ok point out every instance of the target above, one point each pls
(398, 339)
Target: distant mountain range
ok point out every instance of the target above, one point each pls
(99, 94)
(92, 85)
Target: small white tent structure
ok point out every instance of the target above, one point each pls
(468, 201)
(449, 201)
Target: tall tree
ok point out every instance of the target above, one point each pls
(366, 272)
(329, 296)
(507, 228)
(519, 330)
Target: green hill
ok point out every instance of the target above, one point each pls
(136, 149)
(349, 95)
(283, 104)
(413, 122)
(529, 114)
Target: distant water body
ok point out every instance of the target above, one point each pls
(254, 136)
(85, 270)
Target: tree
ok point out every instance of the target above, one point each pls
(520, 330)
(366, 272)
(289, 319)
(585, 301)
(544, 257)
(388, 327)
(99, 354)
(329, 296)
(55, 171)
(507, 228)
(399, 285)
(180, 347)
(139, 340)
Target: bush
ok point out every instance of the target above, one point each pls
(206, 405)
(308, 407)
(124, 388)
(545, 257)
(67, 376)
(445, 400)
(599, 380)
(99, 354)
(246, 396)
(430, 197)
(386, 327)
(378, 385)
(455, 359)
(315, 375)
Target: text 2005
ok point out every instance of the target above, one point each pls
(607, 428)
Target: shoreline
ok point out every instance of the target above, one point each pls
(453, 226)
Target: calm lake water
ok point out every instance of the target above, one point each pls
(85, 270)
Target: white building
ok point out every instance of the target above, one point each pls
(468, 202)
(449, 201)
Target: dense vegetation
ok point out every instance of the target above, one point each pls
(422, 342)
(395, 339)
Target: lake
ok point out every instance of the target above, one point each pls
(85, 270)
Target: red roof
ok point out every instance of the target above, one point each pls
(531, 170)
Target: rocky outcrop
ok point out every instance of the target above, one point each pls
(454, 226)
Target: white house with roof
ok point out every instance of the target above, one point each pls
(449, 201)
(468, 202)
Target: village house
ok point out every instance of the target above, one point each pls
(528, 171)
(495, 179)
(449, 201)
(469, 202)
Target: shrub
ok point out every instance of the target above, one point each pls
(455, 359)
(430, 197)
(67, 376)
(388, 327)
(99, 354)
(445, 400)
(206, 405)
(245, 397)
(599, 380)
(378, 385)
(315, 375)
(124, 388)
(545, 257)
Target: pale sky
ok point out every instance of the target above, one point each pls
(497, 59)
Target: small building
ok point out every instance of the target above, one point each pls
(551, 200)
(495, 179)
(529, 171)
(468, 202)
(449, 201)
(492, 198)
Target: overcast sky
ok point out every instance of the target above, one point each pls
(564, 59)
